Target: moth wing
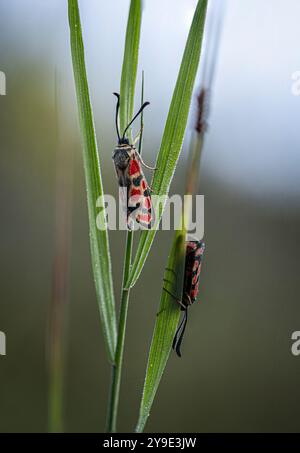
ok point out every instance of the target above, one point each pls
(123, 177)
(195, 251)
(145, 216)
(124, 181)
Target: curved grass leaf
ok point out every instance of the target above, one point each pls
(100, 254)
(174, 131)
(165, 327)
(130, 63)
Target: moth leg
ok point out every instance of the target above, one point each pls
(173, 273)
(140, 157)
(188, 298)
(147, 166)
(171, 270)
(176, 298)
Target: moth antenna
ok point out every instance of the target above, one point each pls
(178, 345)
(177, 332)
(117, 114)
(135, 117)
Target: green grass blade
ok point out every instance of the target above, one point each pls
(174, 130)
(127, 90)
(130, 63)
(99, 244)
(165, 328)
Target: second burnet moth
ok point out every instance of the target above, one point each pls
(128, 165)
(193, 261)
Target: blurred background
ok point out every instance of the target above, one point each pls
(237, 372)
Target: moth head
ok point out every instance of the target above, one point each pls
(123, 141)
(121, 158)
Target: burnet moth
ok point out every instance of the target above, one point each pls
(128, 162)
(193, 261)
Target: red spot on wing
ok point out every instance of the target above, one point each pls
(196, 265)
(147, 202)
(134, 167)
(144, 218)
(195, 279)
(194, 294)
(134, 192)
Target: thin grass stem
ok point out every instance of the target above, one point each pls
(117, 367)
(127, 90)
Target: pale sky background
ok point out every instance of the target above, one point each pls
(253, 141)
